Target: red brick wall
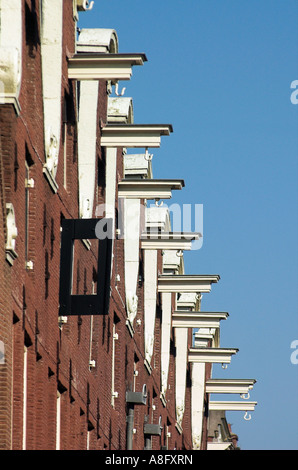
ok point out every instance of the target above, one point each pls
(5, 313)
(58, 358)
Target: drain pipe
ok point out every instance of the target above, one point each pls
(151, 430)
(147, 436)
(132, 399)
(148, 442)
(129, 428)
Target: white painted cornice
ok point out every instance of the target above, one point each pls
(186, 283)
(211, 355)
(219, 445)
(241, 386)
(232, 405)
(134, 135)
(101, 66)
(148, 188)
(186, 319)
(168, 240)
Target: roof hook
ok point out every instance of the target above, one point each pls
(85, 5)
(179, 253)
(116, 90)
(247, 417)
(148, 156)
(224, 366)
(89, 5)
(158, 202)
(245, 396)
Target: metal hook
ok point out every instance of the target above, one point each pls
(148, 156)
(85, 5)
(116, 90)
(224, 366)
(89, 6)
(245, 396)
(158, 202)
(179, 253)
(247, 417)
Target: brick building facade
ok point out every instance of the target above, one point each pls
(66, 381)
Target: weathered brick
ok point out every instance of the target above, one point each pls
(58, 359)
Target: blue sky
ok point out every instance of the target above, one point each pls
(220, 72)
